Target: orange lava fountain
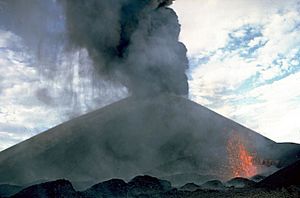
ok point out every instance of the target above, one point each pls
(241, 161)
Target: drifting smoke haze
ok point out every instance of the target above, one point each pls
(66, 80)
(91, 53)
(134, 41)
(77, 56)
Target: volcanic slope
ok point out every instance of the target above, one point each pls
(162, 136)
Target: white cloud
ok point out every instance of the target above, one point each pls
(260, 90)
(218, 76)
(8, 39)
(21, 114)
(32, 102)
(275, 112)
(205, 24)
(8, 139)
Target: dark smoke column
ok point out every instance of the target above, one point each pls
(133, 41)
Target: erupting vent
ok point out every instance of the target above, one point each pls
(241, 160)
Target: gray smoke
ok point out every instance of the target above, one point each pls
(68, 81)
(133, 41)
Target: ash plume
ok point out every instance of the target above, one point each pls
(133, 41)
(65, 81)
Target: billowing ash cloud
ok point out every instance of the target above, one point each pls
(133, 41)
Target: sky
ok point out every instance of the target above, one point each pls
(244, 61)
(244, 64)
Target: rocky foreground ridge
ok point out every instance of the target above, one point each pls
(283, 183)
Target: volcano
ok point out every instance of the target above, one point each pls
(165, 136)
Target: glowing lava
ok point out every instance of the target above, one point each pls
(241, 161)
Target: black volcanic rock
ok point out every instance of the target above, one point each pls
(148, 185)
(112, 188)
(115, 188)
(240, 182)
(59, 188)
(160, 136)
(285, 177)
(137, 187)
(190, 187)
(213, 185)
(189, 177)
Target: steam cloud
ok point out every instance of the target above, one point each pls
(134, 41)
